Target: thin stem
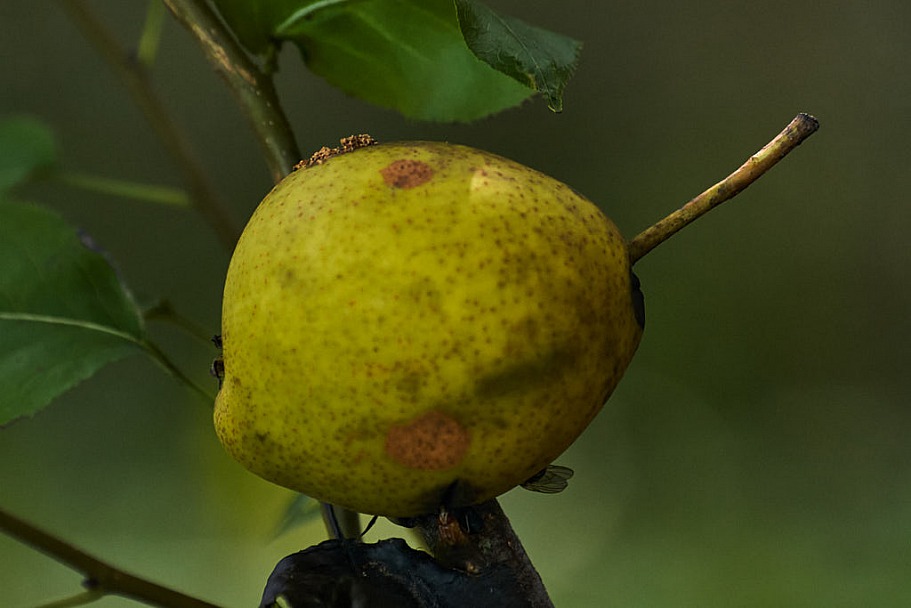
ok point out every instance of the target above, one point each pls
(253, 88)
(80, 599)
(340, 522)
(165, 312)
(792, 136)
(161, 195)
(100, 577)
(137, 82)
(165, 362)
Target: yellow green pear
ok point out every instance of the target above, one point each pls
(420, 324)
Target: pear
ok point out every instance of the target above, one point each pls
(417, 324)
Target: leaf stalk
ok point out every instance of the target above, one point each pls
(136, 79)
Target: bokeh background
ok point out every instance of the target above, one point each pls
(757, 452)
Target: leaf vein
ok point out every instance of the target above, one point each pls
(54, 320)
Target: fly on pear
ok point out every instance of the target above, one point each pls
(552, 479)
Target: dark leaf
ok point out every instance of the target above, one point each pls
(533, 56)
(385, 574)
(63, 310)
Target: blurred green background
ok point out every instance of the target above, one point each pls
(757, 452)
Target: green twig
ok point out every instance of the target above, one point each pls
(136, 79)
(252, 87)
(148, 193)
(100, 577)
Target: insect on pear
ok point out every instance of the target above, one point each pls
(552, 479)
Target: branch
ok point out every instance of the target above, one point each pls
(481, 538)
(253, 89)
(100, 577)
(792, 136)
(137, 82)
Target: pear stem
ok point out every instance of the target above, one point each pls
(792, 136)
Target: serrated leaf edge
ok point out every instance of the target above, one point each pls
(554, 95)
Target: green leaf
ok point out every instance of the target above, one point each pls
(26, 146)
(64, 313)
(535, 57)
(408, 55)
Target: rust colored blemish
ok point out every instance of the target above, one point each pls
(406, 173)
(346, 144)
(432, 442)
